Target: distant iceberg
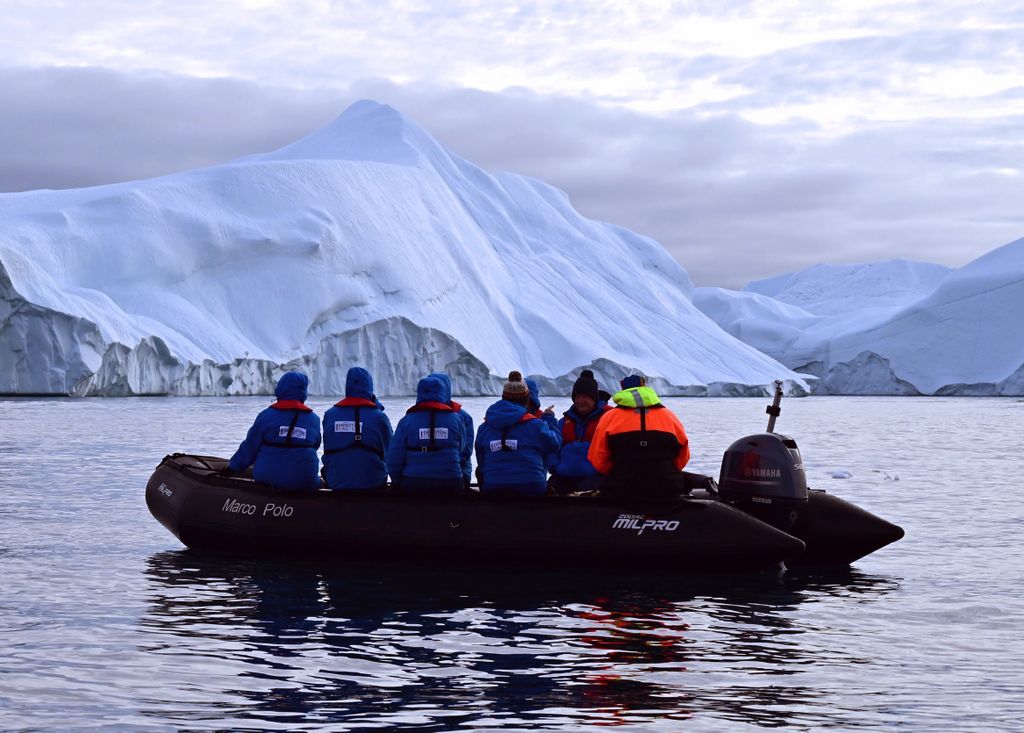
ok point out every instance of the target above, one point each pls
(365, 242)
(831, 289)
(893, 327)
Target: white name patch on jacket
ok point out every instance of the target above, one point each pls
(345, 426)
(512, 444)
(299, 433)
(439, 433)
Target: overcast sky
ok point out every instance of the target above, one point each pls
(748, 138)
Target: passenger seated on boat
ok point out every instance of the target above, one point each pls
(512, 446)
(425, 455)
(282, 443)
(640, 446)
(572, 471)
(467, 424)
(533, 401)
(534, 408)
(356, 437)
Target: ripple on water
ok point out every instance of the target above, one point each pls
(107, 623)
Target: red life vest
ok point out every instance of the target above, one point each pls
(291, 405)
(569, 426)
(430, 405)
(355, 402)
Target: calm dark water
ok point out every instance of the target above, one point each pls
(107, 623)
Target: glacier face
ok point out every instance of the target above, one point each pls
(892, 327)
(365, 242)
(830, 289)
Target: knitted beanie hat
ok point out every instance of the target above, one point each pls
(633, 380)
(586, 385)
(515, 389)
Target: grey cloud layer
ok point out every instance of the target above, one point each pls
(733, 201)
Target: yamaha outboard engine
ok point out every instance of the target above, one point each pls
(764, 475)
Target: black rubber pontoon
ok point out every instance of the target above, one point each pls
(237, 515)
(837, 532)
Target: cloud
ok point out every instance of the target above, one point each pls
(77, 127)
(730, 199)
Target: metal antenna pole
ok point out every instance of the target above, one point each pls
(773, 409)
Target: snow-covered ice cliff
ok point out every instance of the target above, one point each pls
(365, 242)
(830, 289)
(892, 327)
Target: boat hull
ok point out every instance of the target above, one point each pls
(837, 532)
(237, 515)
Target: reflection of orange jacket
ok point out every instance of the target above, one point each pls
(627, 420)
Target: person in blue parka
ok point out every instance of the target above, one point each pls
(533, 407)
(281, 445)
(356, 437)
(533, 401)
(512, 445)
(571, 471)
(425, 454)
(467, 424)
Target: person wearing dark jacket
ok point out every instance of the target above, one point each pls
(640, 446)
(425, 454)
(571, 470)
(512, 445)
(281, 445)
(467, 424)
(356, 437)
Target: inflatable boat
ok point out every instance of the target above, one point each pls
(758, 515)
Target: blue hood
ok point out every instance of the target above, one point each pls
(430, 389)
(534, 401)
(359, 383)
(447, 383)
(503, 414)
(292, 386)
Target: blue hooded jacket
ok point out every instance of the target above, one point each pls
(533, 404)
(414, 452)
(572, 461)
(281, 445)
(467, 423)
(356, 436)
(512, 447)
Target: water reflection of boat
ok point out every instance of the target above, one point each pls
(379, 586)
(369, 643)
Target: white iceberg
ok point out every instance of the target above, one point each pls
(831, 289)
(892, 327)
(365, 242)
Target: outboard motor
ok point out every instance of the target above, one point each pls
(764, 476)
